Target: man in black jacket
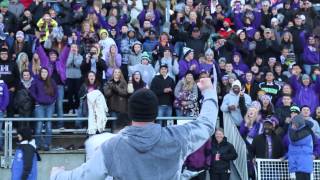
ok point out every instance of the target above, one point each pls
(267, 145)
(9, 19)
(163, 86)
(222, 153)
(283, 114)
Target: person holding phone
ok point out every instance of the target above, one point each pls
(222, 153)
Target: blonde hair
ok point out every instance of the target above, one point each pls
(112, 57)
(22, 66)
(187, 86)
(36, 66)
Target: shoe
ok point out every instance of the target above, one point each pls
(71, 147)
(46, 148)
(70, 111)
(61, 128)
(81, 147)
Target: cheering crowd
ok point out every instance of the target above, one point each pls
(264, 55)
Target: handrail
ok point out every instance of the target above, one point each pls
(86, 118)
(232, 133)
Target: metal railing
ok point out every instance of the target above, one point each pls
(6, 159)
(232, 133)
(277, 169)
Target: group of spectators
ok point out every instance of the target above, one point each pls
(264, 54)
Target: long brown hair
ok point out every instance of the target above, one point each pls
(48, 87)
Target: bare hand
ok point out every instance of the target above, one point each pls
(204, 84)
(232, 108)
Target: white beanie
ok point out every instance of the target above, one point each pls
(186, 51)
(209, 51)
(236, 83)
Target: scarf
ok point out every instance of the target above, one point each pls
(27, 84)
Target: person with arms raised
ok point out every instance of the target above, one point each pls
(137, 147)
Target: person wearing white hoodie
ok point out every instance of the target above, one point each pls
(105, 42)
(231, 104)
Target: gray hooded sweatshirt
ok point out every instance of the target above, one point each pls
(149, 152)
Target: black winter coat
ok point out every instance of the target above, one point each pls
(259, 147)
(227, 154)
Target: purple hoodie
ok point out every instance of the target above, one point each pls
(199, 159)
(250, 29)
(107, 26)
(38, 92)
(240, 68)
(184, 67)
(60, 64)
(156, 20)
(4, 96)
(306, 95)
(311, 55)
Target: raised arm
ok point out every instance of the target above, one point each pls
(64, 54)
(44, 59)
(294, 82)
(194, 134)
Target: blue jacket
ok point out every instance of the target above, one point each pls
(149, 152)
(300, 153)
(24, 166)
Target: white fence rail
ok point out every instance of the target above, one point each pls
(272, 169)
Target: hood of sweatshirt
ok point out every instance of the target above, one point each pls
(143, 139)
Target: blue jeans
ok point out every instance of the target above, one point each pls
(307, 68)
(59, 105)
(1, 135)
(44, 111)
(114, 122)
(179, 113)
(164, 111)
(79, 124)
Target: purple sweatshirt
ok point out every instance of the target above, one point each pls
(38, 92)
(60, 64)
(184, 66)
(306, 95)
(311, 56)
(4, 96)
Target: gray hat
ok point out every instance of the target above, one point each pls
(299, 121)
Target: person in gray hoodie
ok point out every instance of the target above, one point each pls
(145, 150)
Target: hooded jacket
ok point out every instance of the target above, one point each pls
(306, 95)
(149, 152)
(300, 150)
(184, 66)
(59, 65)
(38, 92)
(232, 99)
(147, 72)
(200, 159)
(240, 68)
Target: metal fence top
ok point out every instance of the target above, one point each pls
(85, 119)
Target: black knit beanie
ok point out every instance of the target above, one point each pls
(143, 106)
(26, 134)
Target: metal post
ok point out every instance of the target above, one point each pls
(10, 144)
(166, 26)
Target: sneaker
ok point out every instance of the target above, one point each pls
(70, 111)
(61, 128)
(46, 148)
